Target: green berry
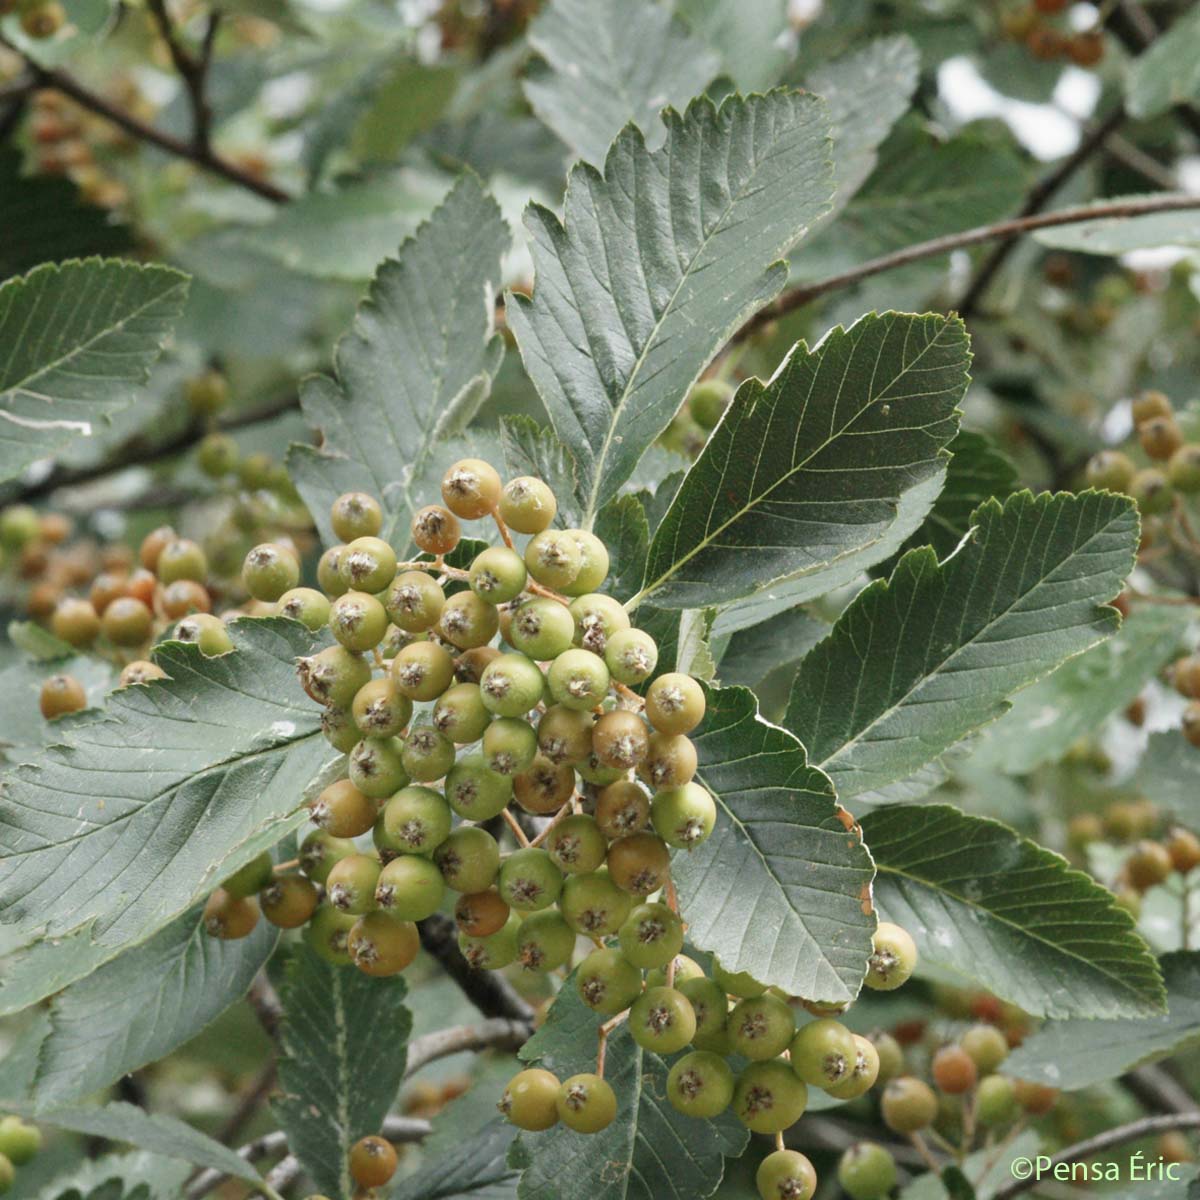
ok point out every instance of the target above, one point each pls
(662, 1020)
(217, 455)
(769, 1097)
(631, 656)
(250, 879)
(891, 1056)
(475, 791)
(823, 1052)
(986, 1045)
(469, 859)
(355, 515)
(416, 820)
(256, 471)
(863, 1073)
(586, 1103)
(19, 525)
(357, 621)
(423, 671)
(545, 941)
(1152, 491)
(497, 575)
(675, 703)
(381, 945)
(381, 709)
(786, 1175)
(738, 983)
(996, 1101)
(530, 1101)
(209, 634)
(352, 882)
(541, 628)
(564, 735)
(511, 685)
(529, 880)
(651, 936)
(207, 394)
(1183, 471)
(410, 888)
(700, 1085)
(320, 851)
(708, 400)
(761, 1028)
(908, 1105)
(339, 729)
(427, 754)
(19, 1141)
(867, 1172)
(607, 983)
(684, 816)
(576, 846)
(415, 601)
(685, 969)
(471, 488)
(328, 934)
(496, 950)
(553, 558)
(578, 679)
(509, 746)
(593, 905)
(527, 505)
(306, 605)
(127, 622)
(593, 564)
(331, 676)
(468, 622)
(461, 714)
(368, 564)
(893, 958)
(597, 618)
(711, 1008)
(1110, 469)
(329, 571)
(268, 571)
(377, 767)
(183, 559)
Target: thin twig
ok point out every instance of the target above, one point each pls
(266, 1005)
(249, 1104)
(490, 992)
(515, 826)
(499, 1033)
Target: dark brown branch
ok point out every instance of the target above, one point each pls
(490, 992)
(496, 1033)
(192, 69)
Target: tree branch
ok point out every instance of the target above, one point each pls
(499, 1033)
(192, 69)
(1104, 1141)
(798, 297)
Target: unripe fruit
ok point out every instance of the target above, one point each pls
(685, 968)
(862, 1075)
(708, 401)
(576, 846)
(140, 671)
(586, 1103)
(182, 597)
(1160, 437)
(207, 394)
(622, 808)
(670, 760)
(354, 515)
(19, 525)
(251, 878)
(684, 816)
(497, 575)
(415, 601)
(541, 628)
(343, 811)
(181, 559)
(553, 558)
(631, 656)
(527, 505)
(435, 530)
(423, 671)
(651, 936)
(468, 622)
(545, 941)
(597, 618)
(1148, 864)
(416, 820)
(380, 709)
(564, 735)
(328, 934)
(372, 1162)
(494, 952)
(1149, 405)
(675, 703)
(332, 676)
(867, 1172)
(908, 1105)
(509, 746)
(987, 1047)
(289, 901)
(256, 471)
(352, 882)
(320, 851)
(953, 1071)
(329, 571)
(1183, 471)
(19, 1141)
(480, 914)
(269, 571)
(893, 958)
(995, 1101)
(60, 695)
(823, 1052)
(761, 1028)
(1110, 469)
(229, 918)
(210, 635)
(75, 622)
(127, 622)
(380, 945)
(607, 983)
(475, 791)
(786, 1175)
(620, 739)
(1035, 1098)
(409, 888)
(529, 880)
(107, 587)
(511, 685)
(593, 564)
(700, 1085)
(578, 679)
(1184, 848)
(461, 714)
(339, 730)
(662, 1020)
(769, 1097)
(367, 564)
(593, 905)
(359, 622)
(639, 863)
(530, 1101)
(737, 983)
(1152, 491)
(469, 859)
(711, 1009)
(427, 754)
(471, 489)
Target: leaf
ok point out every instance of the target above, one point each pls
(146, 805)
(990, 1170)
(917, 662)
(1073, 1054)
(1015, 918)
(1047, 718)
(144, 1004)
(1169, 775)
(809, 468)
(344, 1045)
(477, 1170)
(754, 41)
(130, 1176)
(530, 449)
(649, 1152)
(657, 263)
(607, 63)
(753, 654)
(278, 12)
(1122, 235)
(414, 368)
(23, 729)
(778, 888)
(622, 526)
(44, 218)
(1168, 73)
(77, 341)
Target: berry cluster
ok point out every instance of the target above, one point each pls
(19, 1143)
(1047, 39)
(1185, 676)
(40, 19)
(66, 139)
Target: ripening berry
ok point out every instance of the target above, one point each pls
(328, 934)
(1160, 437)
(19, 1140)
(354, 515)
(367, 564)
(996, 1101)
(1148, 864)
(351, 884)
(761, 1028)
(250, 879)
(530, 1101)
(545, 941)
(662, 1020)
(593, 565)
(339, 730)
(1110, 469)
(553, 558)
(700, 1085)
(1152, 491)
(684, 816)
(423, 671)
(380, 709)
(127, 622)
(380, 945)
(1035, 1098)
(415, 601)
(343, 811)
(986, 1045)
(622, 808)
(863, 1074)
(893, 958)
(620, 739)
(953, 1071)
(544, 787)
(1086, 49)
(140, 671)
(1183, 470)
(891, 1055)
(75, 622)
(578, 679)
(527, 505)
(270, 570)
(329, 571)
(631, 656)
(320, 851)
(576, 846)
(509, 746)
(908, 1105)
(786, 1175)
(1184, 848)
(639, 863)
(207, 393)
(769, 1097)
(469, 859)
(1151, 404)
(675, 703)
(529, 880)
(564, 735)
(593, 905)
(1190, 723)
(471, 489)
(495, 951)
(181, 559)
(229, 917)
(606, 982)
(461, 714)
(586, 1103)
(867, 1172)
(289, 901)
(372, 1162)
(479, 914)
(823, 1052)
(180, 598)
(468, 622)
(209, 635)
(107, 587)
(435, 530)
(60, 695)
(359, 622)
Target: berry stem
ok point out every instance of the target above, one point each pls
(629, 694)
(968, 1126)
(602, 1040)
(283, 867)
(779, 1145)
(515, 826)
(503, 528)
(562, 814)
(922, 1148)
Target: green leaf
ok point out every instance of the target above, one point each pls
(754, 41)
(657, 263)
(344, 1044)
(987, 903)
(76, 341)
(414, 368)
(1122, 235)
(649, 1152)
(144, 1004)
(1169, 775)
(278, 12)
(530, 449)
(45, 218)
(607, 63)
(130, 1176)
(622, 526)
(145, 806)
(809, 468)
(1047, 718)
(918, 661)
(990, 1170)
(778, 888)
(1168, 73)
(23, 729)
(754, 653)
(1077, 1054)
(476, 1170)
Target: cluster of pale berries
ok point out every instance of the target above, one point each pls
(19, 1144)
